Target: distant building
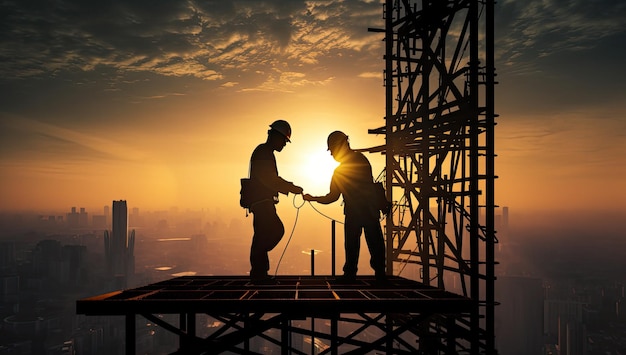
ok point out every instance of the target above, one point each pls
(519, 317)
(73, 218)
(83, 218)
(99, 221)
(564, 321)
(107, 215)
(119, 246)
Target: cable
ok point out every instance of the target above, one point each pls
(316, 210)
(292, 230)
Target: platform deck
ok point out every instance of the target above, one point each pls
(305, 295)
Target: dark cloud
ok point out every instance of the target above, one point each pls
(559, 55)
(558, 45)
(530, 30)
(173, 38)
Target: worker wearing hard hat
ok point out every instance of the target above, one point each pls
(353, 180)
(268, 228)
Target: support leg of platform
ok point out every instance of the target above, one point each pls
(312, 335)
(285, 336)
(130, 334)
(334, 342)
(389, 329)
(246, 343)
(188, 327)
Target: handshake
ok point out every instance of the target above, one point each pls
(299, 191)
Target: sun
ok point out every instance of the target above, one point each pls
(315, 170)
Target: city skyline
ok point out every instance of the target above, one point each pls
(580, 295)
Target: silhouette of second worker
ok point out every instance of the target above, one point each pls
(268, 228)
(353, 179)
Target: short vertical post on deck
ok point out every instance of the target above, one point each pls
(332, 247)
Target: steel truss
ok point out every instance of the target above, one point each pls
(439, 148)
(289, 333)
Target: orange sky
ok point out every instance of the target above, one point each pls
(174, 125)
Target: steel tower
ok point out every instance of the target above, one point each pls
(439, 148)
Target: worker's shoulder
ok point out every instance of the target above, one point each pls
(357, 156)
(262, 151)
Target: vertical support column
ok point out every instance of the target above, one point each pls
(389, 151)
(246, 321)
(389, 330)
(312, 262)
(333, 247)
(130, 334)
(474, 233)
(285, 336)
(334, 341)
(425, 178)
(450, 323)
(187, 322)
(490, 173)
(312, 335)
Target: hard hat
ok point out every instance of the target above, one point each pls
(283, 128)
(336, 138)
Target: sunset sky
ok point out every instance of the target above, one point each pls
(161, 103)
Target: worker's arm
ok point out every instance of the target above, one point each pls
(330, 197)
(268, 177)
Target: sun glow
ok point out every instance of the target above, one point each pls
(315, 172)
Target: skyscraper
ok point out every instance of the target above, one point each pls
(119, 246)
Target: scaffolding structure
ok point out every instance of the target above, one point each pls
(439, 149)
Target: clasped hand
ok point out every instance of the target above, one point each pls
(307, 197)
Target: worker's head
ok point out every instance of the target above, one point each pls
(337, 144)
(282, 127)
(279, 134)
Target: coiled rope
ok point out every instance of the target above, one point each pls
(295, 222)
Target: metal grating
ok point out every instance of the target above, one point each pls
(306, 295)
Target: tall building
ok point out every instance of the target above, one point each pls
(119, 246)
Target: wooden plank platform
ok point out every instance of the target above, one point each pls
(301, 295)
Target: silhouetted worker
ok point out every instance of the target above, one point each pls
(268, 228)
(353, 179)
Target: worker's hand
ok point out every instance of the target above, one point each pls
(308, 197)
(297, 190)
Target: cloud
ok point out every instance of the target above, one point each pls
(208, 40)
(371, 75)
(527, 30)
